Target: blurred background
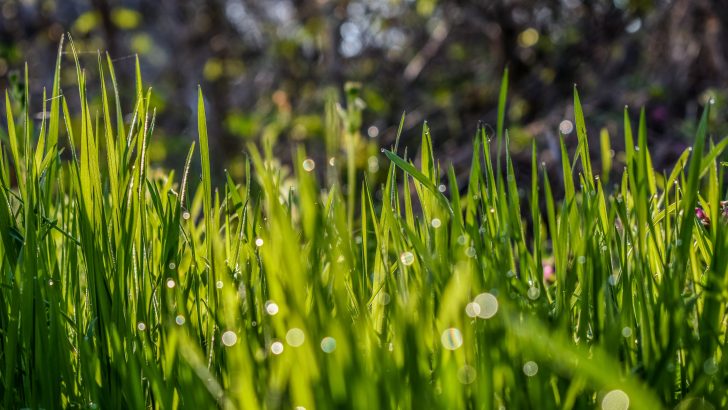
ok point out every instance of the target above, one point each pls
(267, 67)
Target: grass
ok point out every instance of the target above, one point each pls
(126, 287)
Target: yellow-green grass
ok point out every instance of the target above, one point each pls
(127, 288)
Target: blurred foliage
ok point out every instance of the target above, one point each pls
(269, 67)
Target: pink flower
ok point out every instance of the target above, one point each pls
(549, 274)
(702, 216)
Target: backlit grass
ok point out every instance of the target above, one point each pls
(126, 287)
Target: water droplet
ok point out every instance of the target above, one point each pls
(384, 298)
(467, 374)
(170, 283)
(533, 293)
(710, 367)
(373, 164)
(407, 258)
(172, 266)
(180, 320)
(299, 408)
(441, 188)
(186, 215)
(328, 344)
(357, 240)
(141, 326)
(472, 309)
(271, 307)
(488, 305)
(615, 400)
(229, 338)
(492, 210)
(259, 242)
(436, 223)
(50, 282)
(308, 165)
(332, 161)
(373, 131)
(626, 332)
(565, 127)
(295, 337)
(276, 348)
(530, 368)
(451, 338)
(613, 280)
(510, 274)
(219, 284)
(581, 259)
(470, 252)
(462, 239)
(390, 346)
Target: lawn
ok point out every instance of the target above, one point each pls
(126, 286)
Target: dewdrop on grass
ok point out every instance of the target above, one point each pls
(328, 344)
(533, 293)
(373, 164)
(615, 400)
(276, 348)
(308, 165)
(472, 309)
(295, 337)
(488, 305)
(229, 338)
(271, 308)
(407, 258)
(467, 374)
(451, 338)
(565, 127)
(530, 368)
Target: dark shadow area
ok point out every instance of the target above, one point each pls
(268, 67)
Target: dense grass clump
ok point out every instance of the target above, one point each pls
(127, 288)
